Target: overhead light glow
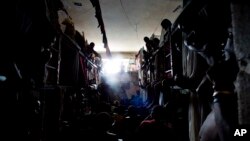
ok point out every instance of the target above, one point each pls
(116, 65)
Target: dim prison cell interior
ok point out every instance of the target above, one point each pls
(190, 83)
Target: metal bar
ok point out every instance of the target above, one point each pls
(79, 50)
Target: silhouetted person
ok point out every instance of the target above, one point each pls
(95, 58)
(155, 127)
(102, 124)
(130, 124)
(155, 43)
(91, 51)
(136, 99)
(166, 25)
(148, 44)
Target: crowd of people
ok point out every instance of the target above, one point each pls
(116, 122)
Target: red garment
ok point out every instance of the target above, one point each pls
(155, 130)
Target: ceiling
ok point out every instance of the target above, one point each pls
(126, 21)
